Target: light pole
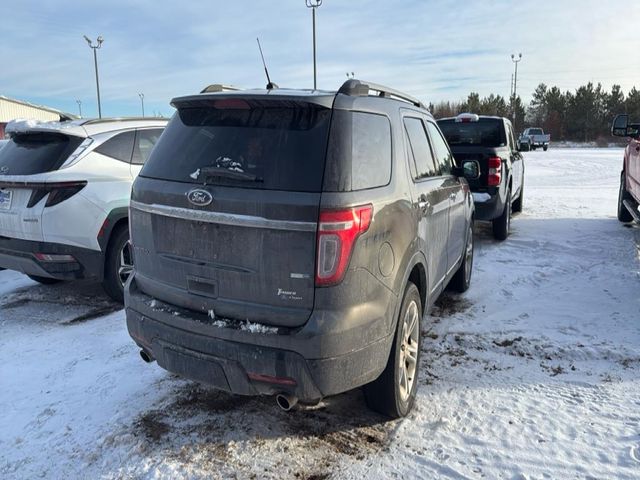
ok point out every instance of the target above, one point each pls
(99, 41)
(313, 5)
(515, 59)
(141, 95)
(79, 102)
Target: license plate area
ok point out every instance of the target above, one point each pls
(6, 197)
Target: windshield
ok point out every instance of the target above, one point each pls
(37, 152)
(274, 148)
(486, 132)
(535, 131)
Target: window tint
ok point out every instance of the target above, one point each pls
(118, 147)
(145, 141)
(486, 132)
(419, 143)
(30, 153)
(444, 159)
(252, 146)
(359, 152)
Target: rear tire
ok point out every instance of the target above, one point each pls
(502, 224)
(118, 264)
(462, 278)
(624, 215)
(393, 393)
(545, 148)
(44, 280)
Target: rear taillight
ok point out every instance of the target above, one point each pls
(495, 171)
(337, 233)
(58, 192)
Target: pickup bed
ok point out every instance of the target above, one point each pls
(629, 192)
(533, 138)
(499, 189)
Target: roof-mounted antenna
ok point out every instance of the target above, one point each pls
(270, 84)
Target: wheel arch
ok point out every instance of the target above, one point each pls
(117, 218)
(417, 272)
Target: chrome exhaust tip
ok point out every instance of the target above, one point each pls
(285, 401)
(146, 356)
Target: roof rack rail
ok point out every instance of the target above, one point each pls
(360, 88)
(218, 87)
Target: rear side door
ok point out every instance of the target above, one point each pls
(633, 170)
(430, 196)
(456, 193)
(517, 164)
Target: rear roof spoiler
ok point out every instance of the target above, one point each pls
(358, 88)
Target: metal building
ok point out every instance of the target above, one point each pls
(11, 109)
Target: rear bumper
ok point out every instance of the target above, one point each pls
(487, 206)
(19, 255)
(306, 362)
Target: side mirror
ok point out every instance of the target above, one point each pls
(620, 126)
(471, 170)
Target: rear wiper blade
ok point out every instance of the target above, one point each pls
(212, 172)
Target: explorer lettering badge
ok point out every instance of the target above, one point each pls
(199, 197)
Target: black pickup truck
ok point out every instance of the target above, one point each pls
(500, 188)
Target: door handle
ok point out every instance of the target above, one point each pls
(423, 203)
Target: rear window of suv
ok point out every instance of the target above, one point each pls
(486, 132)
(31, 153)
(272, 148)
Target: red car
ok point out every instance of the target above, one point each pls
(629, 196)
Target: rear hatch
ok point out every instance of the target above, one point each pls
(476, 140)
(25, 162)
(224, 212)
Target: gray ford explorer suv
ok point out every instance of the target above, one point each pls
(288, 242)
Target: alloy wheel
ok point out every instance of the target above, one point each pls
(125, 264)
(407, 367)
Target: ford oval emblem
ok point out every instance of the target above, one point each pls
(199, 197)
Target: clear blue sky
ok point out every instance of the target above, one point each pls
(435, 50)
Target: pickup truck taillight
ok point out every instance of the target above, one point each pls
(338, 231)
(495, 171)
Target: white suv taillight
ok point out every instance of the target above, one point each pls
(337, 234)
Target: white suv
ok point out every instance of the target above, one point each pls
(64, 197)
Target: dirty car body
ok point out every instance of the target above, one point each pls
(274, 232)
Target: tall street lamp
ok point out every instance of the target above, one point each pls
(313, 5)
(515, 59)
(79, 102)
(141, 95)
(99, 41)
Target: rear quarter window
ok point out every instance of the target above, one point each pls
(359, 152)
(119, 146)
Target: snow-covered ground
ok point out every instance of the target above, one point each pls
(533, 373)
